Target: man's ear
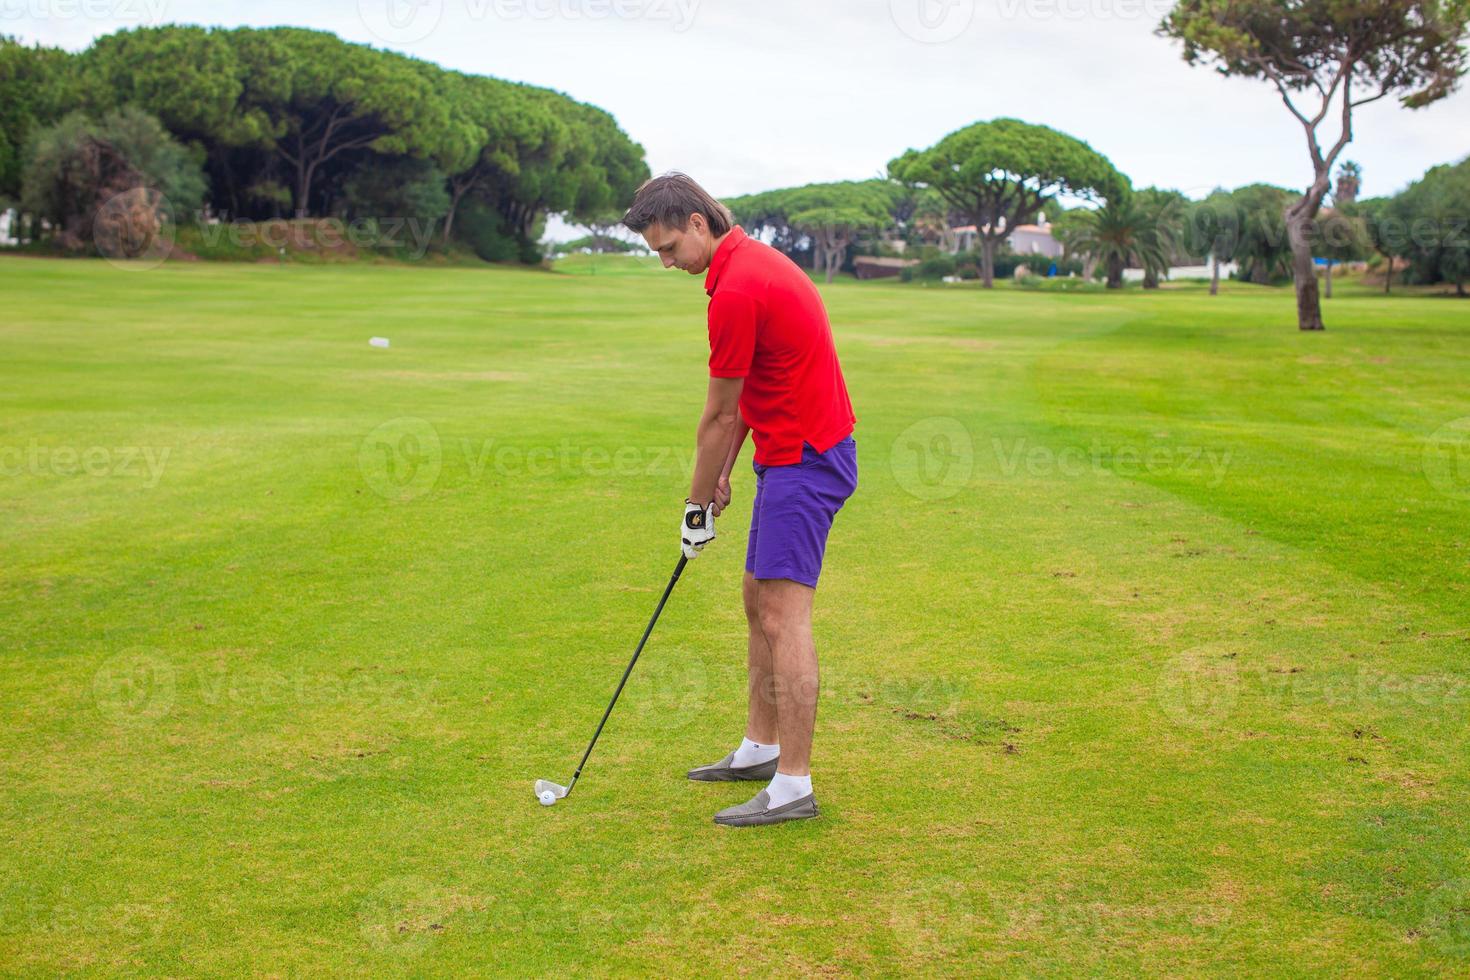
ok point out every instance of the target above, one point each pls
(697, 222)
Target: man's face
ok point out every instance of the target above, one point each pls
(690, 249)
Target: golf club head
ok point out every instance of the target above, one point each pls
(544, 786)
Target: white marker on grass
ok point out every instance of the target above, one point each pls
(379, 341)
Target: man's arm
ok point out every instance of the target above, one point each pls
(715, 446)
(722, 485)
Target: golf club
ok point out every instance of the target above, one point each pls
(548, 792)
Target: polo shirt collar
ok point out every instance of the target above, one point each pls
(721, 258)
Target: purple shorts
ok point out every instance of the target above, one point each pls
(793, 511)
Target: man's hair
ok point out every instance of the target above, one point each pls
(670, 199)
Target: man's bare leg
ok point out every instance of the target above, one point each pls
(760, 719)
(784, 610)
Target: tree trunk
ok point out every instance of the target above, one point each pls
(455, 196)
(1298, 217)
(221, 159)
(1115, 273)
(303, 188)
(1327, 282)
(987, 262)
(1150, 278)
(1214, 274)
(1388, 276)
(449, 221)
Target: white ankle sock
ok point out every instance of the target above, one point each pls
(786, 789)
(754, 753)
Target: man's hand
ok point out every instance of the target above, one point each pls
(697, 529)
(722, 495)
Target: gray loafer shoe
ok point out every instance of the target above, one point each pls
(759, 811)
(725, 771)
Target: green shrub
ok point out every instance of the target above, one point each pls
(81, 170)
(936, 266)
(397, 188)
(484, 230)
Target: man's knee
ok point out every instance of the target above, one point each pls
(772, 622)
(779, 611)
(751, 592)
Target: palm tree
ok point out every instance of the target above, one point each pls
(1212, 229)
(1349, 180)
(1124, 231)
(1165, 209)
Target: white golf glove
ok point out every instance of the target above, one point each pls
(697, 529)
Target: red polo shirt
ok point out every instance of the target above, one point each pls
(767, 325)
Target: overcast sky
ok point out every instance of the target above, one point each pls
(747, 95)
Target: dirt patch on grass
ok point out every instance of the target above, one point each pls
(1417, 785)
(958, 726)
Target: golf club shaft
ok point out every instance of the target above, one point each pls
(678, 570)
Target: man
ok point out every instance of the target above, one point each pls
(774, 373)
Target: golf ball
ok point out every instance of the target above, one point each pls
(547, 797)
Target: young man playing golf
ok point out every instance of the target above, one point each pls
(773, 372)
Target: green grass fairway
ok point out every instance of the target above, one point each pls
(1145, 641)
